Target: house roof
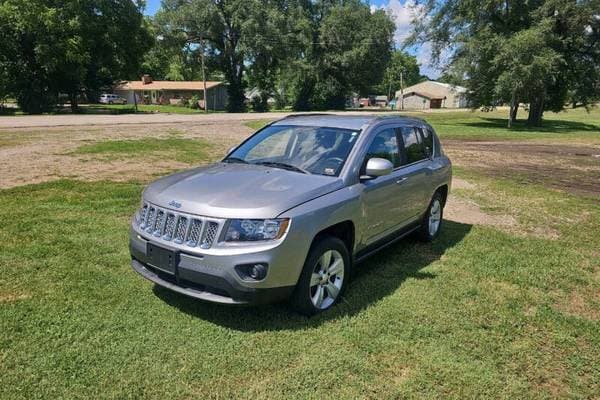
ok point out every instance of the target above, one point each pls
(424, 94)
(459, 89)
(167, 85)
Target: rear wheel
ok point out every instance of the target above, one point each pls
(432, 220)
(323, 278)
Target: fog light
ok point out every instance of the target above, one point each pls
(258, 272)
(254, 272)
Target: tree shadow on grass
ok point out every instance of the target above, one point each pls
(548, 126)
(374, 279)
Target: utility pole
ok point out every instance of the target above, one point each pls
(203, 74)
(401, 90)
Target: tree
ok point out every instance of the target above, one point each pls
(51, 47)
(402, 69)
(345, 48)
(514, 51)
(218, 29)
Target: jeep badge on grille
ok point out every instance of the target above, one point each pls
(175, 204)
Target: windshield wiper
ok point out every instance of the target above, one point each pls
(283, 166)
(235, 160)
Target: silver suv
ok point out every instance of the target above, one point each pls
(290, 211)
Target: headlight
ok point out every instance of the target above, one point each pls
(244, 230)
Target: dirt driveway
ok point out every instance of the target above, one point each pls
(568, 167)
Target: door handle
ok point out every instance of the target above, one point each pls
(401, 180)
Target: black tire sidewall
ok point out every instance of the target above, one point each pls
(300, 300)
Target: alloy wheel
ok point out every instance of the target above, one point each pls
(327, 279)
(435, 216)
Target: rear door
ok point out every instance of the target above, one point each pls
(384, 198)
(414, 173)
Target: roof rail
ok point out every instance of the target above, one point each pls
(306, 115)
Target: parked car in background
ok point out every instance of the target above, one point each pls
(292, 210)
(106, 98)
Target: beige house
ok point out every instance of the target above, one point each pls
(148, 91)
(432, 94)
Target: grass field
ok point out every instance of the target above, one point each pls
(487, 311)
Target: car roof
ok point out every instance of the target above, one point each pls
(354, 122)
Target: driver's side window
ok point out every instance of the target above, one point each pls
(384, 145)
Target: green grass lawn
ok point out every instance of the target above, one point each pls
(568, 124)
(174, 148)
(257, 124)
(483, 312)
(142, 108)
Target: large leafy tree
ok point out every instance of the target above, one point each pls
(539, 52)
(52, 47)
(346, 48)
(218, 29)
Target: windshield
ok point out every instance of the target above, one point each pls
(308, 149)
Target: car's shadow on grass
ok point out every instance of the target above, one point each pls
(374, 279)
(549, 125)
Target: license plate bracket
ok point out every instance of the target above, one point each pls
(161, 258)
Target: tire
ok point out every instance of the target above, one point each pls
(431, 223)
(319, 288)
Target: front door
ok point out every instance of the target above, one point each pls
(384, 198)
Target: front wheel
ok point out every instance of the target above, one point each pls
(432, 220)
(323, 278)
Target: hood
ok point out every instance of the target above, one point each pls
(227, 190)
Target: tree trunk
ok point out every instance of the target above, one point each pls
(536, 110)
(73, 101)
(514, 108)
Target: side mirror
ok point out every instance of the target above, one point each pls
(377, 167)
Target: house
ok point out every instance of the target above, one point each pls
(432, 94)
(380, 100)
(148, 91)
(373, 101)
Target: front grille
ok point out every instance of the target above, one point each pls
(209, 234)
(179, 228)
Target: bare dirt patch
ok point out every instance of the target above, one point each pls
(570, 168)
(468, 212)
(580, 303)
(43, 155)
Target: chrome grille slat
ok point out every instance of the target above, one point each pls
(210, 233)
(169, 226)
(151, 219)
(194, 233)
(143, 215)
(160, 223)
(179, 228)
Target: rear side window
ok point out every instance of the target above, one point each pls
(427, 139)
(413, 147)
(385, 145)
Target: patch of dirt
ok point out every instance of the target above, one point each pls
(12, 297)
(468, 212)
(43, 156)
(581, 303)
(571, 168)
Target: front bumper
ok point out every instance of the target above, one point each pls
(212, 278)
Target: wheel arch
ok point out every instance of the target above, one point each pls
(443, 191)
(344, 230)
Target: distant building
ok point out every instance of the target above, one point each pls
(380, 100)
(432, 94)
(148, 91)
